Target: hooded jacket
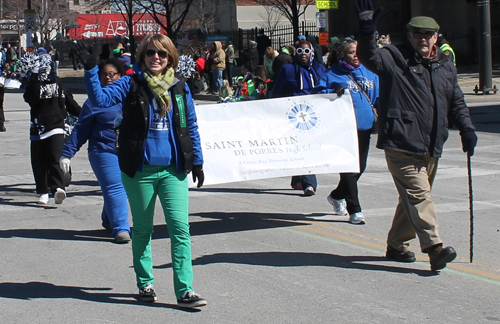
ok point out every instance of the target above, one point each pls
(339, 75)
(416, 98)
(291, 80)
(219, 62)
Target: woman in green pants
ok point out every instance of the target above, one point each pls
(158, 145)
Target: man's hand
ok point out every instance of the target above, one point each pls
(469, 140)
(87, 59)
(367, 17)
(198, 174)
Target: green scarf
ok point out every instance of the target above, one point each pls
(159, 86)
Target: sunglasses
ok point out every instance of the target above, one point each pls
(110, 75)
(152, 52)
(301, 51)
(426, 35)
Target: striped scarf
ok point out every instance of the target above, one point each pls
(159, 86)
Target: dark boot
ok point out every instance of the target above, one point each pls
(440, 256)
(400, 256)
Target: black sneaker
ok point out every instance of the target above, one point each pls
(400, 256)
(191, 300)
(147, 294)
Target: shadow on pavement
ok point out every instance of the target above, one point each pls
(301, 259)
(486, 118)
(35, 289)
(96, 235)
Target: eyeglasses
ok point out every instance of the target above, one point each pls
(152, 52)
(301, 51)
(110, 75)
(426, 35)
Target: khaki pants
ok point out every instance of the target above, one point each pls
(415, 214)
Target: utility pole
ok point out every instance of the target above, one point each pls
(485, 64)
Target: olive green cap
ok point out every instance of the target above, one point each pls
(423, 23)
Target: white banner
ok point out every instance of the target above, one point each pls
(278, 137)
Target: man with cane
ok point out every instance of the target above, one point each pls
(418, 93)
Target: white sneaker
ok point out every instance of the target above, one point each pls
(43, 199)
(59, 196)
(339, 205)
(357, 218)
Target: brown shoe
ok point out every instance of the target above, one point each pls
(440, 256)
(400, 256)
(122, 238)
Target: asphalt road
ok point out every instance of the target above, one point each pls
(262, 252)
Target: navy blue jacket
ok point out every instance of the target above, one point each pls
(289, 81)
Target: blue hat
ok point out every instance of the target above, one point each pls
(302, 37)
(41, 50)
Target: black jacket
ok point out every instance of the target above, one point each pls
(279, 61)
(48, 112)
(134, 127)
(416, 98)
(250, 58)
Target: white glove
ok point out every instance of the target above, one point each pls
(64, 163)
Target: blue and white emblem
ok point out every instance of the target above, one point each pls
(303, 117)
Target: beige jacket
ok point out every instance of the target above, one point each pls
(219, 57)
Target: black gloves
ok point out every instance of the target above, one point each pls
(469, 140)
(339, 90)
(367, 18)
(88, 60)
(198, 173)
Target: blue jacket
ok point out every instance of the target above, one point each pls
(339, 75)
(118, 91)
(95, 125)
(290, 79)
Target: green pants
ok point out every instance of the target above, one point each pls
(172, 188)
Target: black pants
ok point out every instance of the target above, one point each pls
(348, 185)
(45, 155)
(2, 95)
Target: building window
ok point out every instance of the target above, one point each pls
(76, 2)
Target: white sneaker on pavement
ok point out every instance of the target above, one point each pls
(357, 218)
(59, 196)
(43, 199)
(339, 205)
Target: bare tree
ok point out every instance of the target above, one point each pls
(204, 14)
(291, 9)
(129, 8)
(169, 14)
(271, 18)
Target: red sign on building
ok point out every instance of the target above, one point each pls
(111, 25)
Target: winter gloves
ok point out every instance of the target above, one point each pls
(88, 60)
(198, 174)
(469, 140)
(64, 163)
(367, 17)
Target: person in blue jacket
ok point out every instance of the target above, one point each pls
(158, 145)
(297, 79)
(363, 86)
(96, 125)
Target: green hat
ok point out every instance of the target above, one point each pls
(116, 51)
(333, 40)
(424, 23)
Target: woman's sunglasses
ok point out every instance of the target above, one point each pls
(152, 52)
(301, 51)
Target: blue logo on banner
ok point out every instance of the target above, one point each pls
(303, 117)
